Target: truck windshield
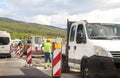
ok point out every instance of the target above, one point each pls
(4, 40)
(37, 40)
(103, 31)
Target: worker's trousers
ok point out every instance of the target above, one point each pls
(48, 59)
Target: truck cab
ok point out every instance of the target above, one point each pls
(90, 45)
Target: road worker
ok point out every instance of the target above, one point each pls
(47, 53)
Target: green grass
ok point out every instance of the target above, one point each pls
(21, 30)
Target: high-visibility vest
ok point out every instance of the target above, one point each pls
(47, 47)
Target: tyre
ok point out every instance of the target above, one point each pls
(65, 67)
(85, 72)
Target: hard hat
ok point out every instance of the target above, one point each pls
(48, 40)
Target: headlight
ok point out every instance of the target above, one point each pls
(100, 51)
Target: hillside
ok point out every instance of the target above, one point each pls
(19, 29)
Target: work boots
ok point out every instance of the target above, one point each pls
(47, 65)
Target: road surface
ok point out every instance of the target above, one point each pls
(16, 67)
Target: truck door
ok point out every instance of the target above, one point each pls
(72, 45)
(80, 44)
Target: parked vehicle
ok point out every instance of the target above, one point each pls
(93, 48)
(5, 44)
(36, 44)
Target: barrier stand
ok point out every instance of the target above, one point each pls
(11, 48)
(56, 63)
(29, 58)
(17, 50)
(21, 52)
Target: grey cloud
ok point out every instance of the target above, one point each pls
(25, 9)
(51, 7)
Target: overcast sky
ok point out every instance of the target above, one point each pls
(55, 12)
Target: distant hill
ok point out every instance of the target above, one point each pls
(19, 29)
(7, 19)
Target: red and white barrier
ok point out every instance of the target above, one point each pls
(21, 52)
(29, 51)
(17, 50)
(56, 63)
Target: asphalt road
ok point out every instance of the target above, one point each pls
(16, 67)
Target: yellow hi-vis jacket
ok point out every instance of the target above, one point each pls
(47, 47)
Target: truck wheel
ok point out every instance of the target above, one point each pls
(65, 67)
(85, 73)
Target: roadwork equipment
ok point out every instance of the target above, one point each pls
(56, 64)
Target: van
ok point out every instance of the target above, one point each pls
(5, 44)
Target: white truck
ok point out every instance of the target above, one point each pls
(36, 44)
(93, 48)
(5, 44)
